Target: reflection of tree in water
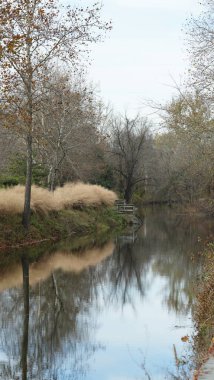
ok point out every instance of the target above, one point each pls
(63, 313)
(165, 245)
(16, 367)
(61, 324)
(127, 271)
(177, 244)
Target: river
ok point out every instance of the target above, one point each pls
(118, 309)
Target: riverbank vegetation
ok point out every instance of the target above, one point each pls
(75, 208)
(204, 308)
(56, 225)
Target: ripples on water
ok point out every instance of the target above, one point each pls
(114, 311)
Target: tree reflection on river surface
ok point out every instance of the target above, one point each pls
(88, 313)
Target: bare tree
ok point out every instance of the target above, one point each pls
(127, 146)
(68, 114)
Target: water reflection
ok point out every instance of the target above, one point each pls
(61, 323)
(59, 260)
(127, 271)
(175, 260)
(59, 315)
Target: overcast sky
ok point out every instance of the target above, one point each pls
(143, 52)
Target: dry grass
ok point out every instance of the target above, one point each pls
(43, 201)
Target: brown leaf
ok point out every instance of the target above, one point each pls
(185, 338)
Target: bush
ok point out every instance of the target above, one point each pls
(8, 181)
(17, 169)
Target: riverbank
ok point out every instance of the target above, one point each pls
(203, 206)
(204, 311)
(57, 225)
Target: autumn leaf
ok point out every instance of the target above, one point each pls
(185, 338)
(10, 46)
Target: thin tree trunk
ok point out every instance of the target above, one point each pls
(49, 178)
(26, 213)
(53, 177)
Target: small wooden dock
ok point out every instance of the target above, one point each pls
(124, 208)
(129, 209)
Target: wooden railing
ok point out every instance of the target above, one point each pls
(120, 202)
(124, 208)
(129, 209)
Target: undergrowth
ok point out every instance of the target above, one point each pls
(58, 225)
(204, 308)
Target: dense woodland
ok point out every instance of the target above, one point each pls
(54, 127)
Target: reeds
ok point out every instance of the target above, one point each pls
(44, 201)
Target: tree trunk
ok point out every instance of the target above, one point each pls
(49, 178)
(53, 178)
(25, 270)
(26, 213)
(128, 193)
(29, 139)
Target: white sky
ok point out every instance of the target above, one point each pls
(142, 53)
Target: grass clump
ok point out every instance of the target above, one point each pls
(44, 201)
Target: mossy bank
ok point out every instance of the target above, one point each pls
(57, 225)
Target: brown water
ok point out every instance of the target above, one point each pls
(112, 311)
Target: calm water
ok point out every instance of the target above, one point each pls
(113, 311)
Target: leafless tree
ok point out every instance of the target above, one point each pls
(69, 113)
(128, 142)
